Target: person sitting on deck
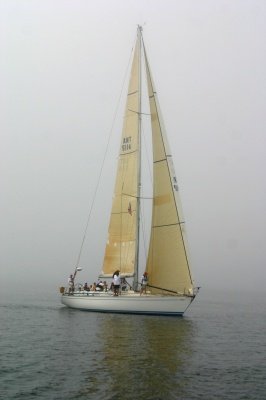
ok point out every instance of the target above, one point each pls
(100, 286)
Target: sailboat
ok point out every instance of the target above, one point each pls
(170, 289)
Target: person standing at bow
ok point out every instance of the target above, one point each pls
(71, 284)
(144, 283)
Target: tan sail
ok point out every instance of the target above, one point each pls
(121, 246)
(167, 263)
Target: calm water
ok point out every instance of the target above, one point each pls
(218, 351)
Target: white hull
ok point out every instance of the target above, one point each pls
(128, 303)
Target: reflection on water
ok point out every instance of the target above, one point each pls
(53, 352)
(142, 357)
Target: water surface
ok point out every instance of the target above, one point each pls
(217, 351)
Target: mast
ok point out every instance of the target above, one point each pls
(136, 268)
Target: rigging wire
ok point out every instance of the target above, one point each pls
(103, 162)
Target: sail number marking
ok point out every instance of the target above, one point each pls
(126, 144)
(175, 184)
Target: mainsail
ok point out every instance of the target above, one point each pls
(167, 263)
(121, 250)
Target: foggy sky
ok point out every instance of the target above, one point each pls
(61, 70)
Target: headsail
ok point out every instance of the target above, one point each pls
(167, 263)
(121, 248)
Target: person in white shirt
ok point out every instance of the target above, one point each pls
(116, 282)
(144, 282)
(71, 284)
